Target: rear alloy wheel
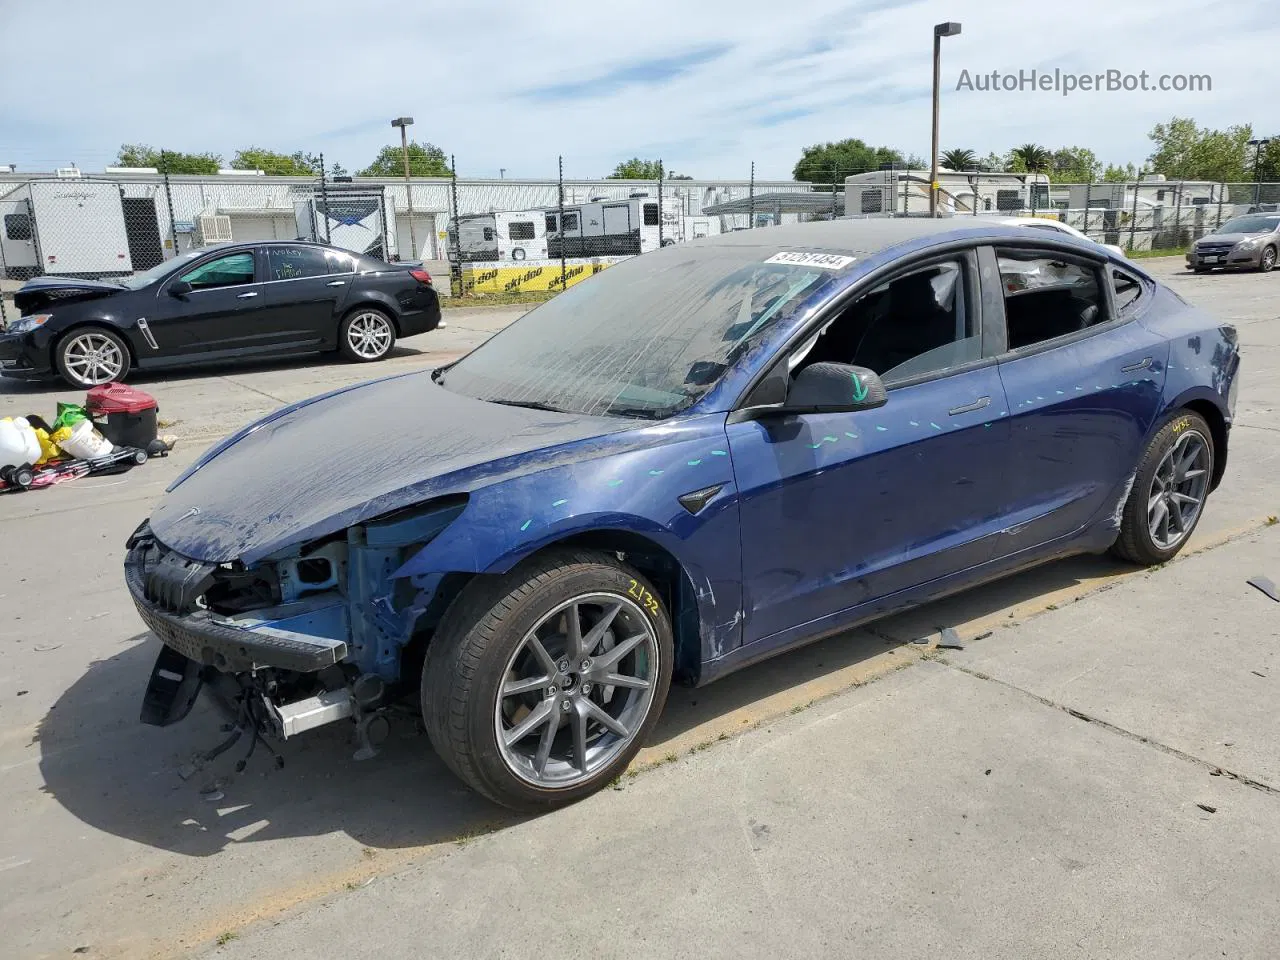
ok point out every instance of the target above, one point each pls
(366, 335)
(88, 357)
(1169, 491)
(1268, 261)
(539, 689)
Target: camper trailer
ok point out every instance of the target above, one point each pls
(882, 193)
(607, 228)
(75, 227)
(359, 218)
(512, 235)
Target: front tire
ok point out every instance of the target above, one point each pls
(540, 686)
(365, 335)
(90, 356)
(1268, 261)
(1169, 491)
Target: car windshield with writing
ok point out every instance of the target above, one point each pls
(647, 337)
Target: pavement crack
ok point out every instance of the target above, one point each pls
(261, 393)
(1213, 768)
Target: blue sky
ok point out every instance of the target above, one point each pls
(708, 86)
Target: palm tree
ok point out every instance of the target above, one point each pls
(958, 159)
(1033, 156)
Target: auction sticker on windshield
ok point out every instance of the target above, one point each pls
(827, 261)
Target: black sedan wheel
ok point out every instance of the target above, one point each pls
(540, 687)
(90, 356)
(366, 335)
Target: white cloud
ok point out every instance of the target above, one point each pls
(710, 86)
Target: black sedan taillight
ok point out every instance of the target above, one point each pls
(421, 276)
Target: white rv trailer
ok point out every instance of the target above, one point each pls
(75, 227)
(607, 228)
(905, 192)
(1152, 191)
(510, 235)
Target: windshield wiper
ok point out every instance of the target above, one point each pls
(527, 404)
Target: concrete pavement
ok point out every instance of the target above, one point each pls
(108, 849)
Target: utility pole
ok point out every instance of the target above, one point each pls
(404, 123)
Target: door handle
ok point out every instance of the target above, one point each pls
(335, 283)
(246, 296)
(1140, 365)
(969, 407)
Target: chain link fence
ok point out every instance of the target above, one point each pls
(541, 235)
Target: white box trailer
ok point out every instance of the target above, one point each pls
(70, 227)
(905, 192)
(494, 237)
(607, 228)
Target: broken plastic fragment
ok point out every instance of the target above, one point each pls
(1266, 585)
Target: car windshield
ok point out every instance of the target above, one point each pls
(1254, 224)
(162, 269)
(645, 338)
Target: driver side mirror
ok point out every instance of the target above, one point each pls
(179, 288)
(835, 388)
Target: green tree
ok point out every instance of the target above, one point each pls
(142, 155)
(845, 157)
(1029, 158)
(637, 169)
(993, 163)
(425, 160)
(1074, 165)
(1115, 174)
(1184, 151)
(274, 164)
(1266, 165)
(958, 159)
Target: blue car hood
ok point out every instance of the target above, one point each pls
(359, 453)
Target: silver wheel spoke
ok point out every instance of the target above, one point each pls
(539, 715)
(544, 745)
(1175, 512)
(579, 721)
(1192, 474)
(573, 633)
(1183, 498)
(612, 658)
(602, 717)
(592, 639)
(514, 687)
(621, 680)
(544, 658)
(1159, 515)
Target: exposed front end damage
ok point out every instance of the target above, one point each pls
(311, 635)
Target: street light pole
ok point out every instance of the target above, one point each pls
(940, 30)
(404, 123)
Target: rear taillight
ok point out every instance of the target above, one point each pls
(421, 276)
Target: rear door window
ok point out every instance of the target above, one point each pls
(1128, 291)
(295, 263)
(1047, 297)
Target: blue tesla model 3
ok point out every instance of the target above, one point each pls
(701, 457)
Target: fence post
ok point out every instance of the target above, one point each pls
(324, 199)
(1222, 191)
(4, 274)
(563, 238)
(834, 172)
(1133, 217)
(751, 197)
(906, 193)
(168, 197)
(660, 172)
(1177, 215)
(455, 269)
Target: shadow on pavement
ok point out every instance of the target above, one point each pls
(120, 776)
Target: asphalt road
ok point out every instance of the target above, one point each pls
(1035, 795)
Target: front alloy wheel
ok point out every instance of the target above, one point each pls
(540, 686)
(87, 358)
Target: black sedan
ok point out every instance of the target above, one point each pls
(238, 301)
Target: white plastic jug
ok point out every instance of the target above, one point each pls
(19, 444)
(85, 443)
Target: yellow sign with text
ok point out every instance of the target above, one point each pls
(530, 274)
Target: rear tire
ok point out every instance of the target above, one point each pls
(1169, 491)
(505, 659)
(366, 334)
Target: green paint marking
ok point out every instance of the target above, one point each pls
(934, 425)
(830, 439)
(1058, 392)
(913, 423)
(851, 436)
(560, 503)
(859, 389)
(814, 446)
(694, 463)
(525, 525)
(655, 473)
(882, 429)
(986, 425)
(615, 483)
(719, 453)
